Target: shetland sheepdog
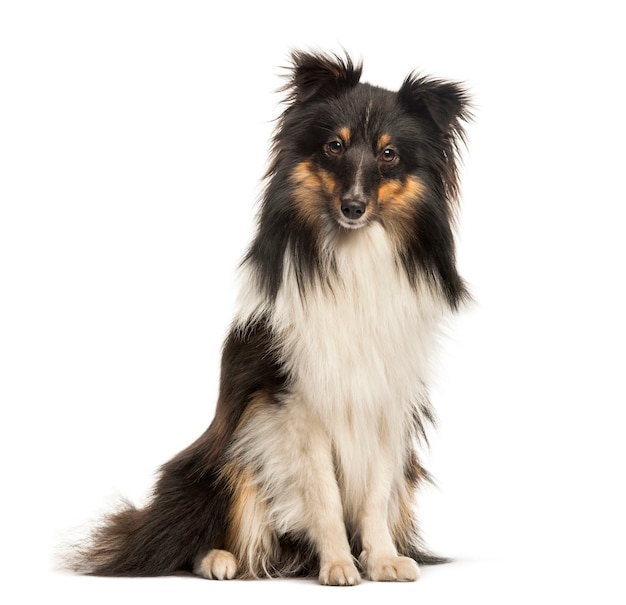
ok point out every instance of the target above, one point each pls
(310, 465)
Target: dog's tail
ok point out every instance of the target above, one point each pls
(423, 557)
(185, 517)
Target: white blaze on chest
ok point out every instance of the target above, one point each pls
(357, 350)
(364, 340)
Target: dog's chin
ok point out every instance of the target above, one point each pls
(352, 224)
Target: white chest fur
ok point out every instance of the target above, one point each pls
(364, 340)
(358, 351)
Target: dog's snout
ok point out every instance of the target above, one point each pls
(353, 209)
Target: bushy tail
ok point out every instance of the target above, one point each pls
(132, 542)
(187, 515)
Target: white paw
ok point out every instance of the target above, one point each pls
(216, 565)
(393, 569)
(339, 573)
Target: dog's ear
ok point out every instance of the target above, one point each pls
(445, 103)
(317, 74)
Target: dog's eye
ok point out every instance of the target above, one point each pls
(389, 155)
(335, 147)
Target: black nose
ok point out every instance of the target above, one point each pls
(353, 209)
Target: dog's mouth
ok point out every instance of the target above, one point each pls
(353, 224)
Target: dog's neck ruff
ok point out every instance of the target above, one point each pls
(362, 333)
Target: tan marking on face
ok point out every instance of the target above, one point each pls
(383, 141)
(314, 188)
(344, 133)
(302, 174)
(312, 179)
(398, 195)
(397, 201)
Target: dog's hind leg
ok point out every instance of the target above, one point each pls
(216, 565)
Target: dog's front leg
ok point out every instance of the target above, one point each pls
(290, 453)
(325, 519)
(379, 557)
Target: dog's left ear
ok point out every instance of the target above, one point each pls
(445, 103)
(317, 74)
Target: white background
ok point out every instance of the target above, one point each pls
(133, 139)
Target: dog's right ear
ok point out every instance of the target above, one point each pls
(317, 74)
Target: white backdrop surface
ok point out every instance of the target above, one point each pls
(133, 140)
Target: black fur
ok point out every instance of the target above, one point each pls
(189, 508)
(425, 114)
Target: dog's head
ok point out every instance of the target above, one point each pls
(356, 153)
(347, 155)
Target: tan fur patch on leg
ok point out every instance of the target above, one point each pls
(287, 486)
(216, 565)
(402, 525)
(249, 536)
(402, 515)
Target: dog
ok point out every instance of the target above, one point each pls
(310, 466)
